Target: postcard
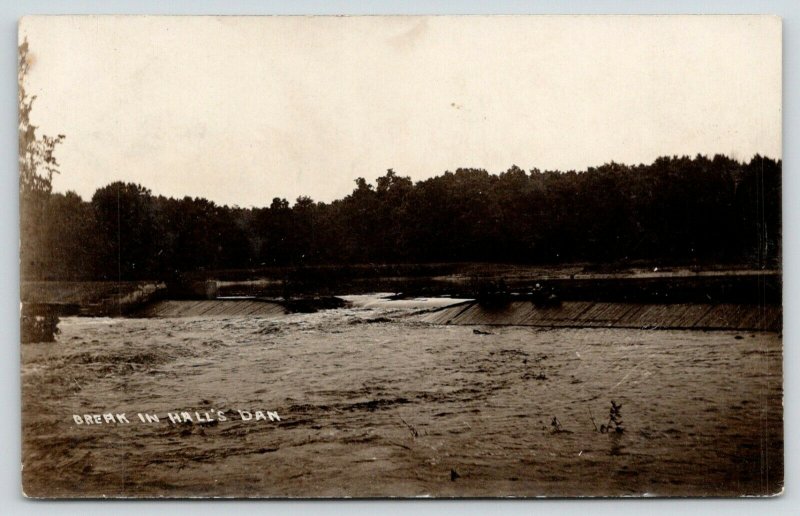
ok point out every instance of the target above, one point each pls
(400, 256)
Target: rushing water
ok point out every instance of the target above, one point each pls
(373, 402)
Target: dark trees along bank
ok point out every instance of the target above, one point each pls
(677, 210)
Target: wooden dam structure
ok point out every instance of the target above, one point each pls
(590, 314)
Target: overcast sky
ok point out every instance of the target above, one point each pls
(243, 109)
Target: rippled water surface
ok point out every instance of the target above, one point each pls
(373, 402)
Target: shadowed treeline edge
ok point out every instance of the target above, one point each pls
(677, 210)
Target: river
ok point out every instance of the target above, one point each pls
(369, 400)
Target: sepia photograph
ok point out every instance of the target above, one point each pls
(401, 256)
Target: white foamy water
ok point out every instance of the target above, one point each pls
(384, 300)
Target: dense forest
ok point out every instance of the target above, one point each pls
(677, 210)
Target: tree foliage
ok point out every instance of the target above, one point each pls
(37, 161)
(37, 164)
(677, 210)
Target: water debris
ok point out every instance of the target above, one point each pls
(591, 416)
(411, 428)
(267, 330)
(534, 376)
(556, 427)
(373, 320)
(614, 418)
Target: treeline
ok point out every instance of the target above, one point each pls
(677, 210)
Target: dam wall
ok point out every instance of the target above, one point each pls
(614, 315)
(213, 308)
